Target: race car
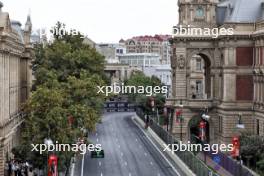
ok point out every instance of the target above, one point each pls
(97, 154)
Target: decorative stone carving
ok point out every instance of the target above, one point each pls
(181, 62)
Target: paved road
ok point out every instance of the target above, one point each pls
(128, 152)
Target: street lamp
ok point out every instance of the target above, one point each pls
(180, 118)
(205, 115)
(202, 126)
(165, 114)
(152, 105)
(236, 142)
(202, 135)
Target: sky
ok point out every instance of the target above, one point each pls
(103, 21)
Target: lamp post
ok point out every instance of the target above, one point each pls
(165, 114)
(179, 117)
(202, 135)
(236, 142)
(153, 105)
(202, 126)
(205, 115)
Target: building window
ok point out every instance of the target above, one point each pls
(198, 64)
(199, 89)
(257, 127)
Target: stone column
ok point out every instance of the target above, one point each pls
(180, 73)
(1, 87)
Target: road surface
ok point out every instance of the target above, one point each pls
(128, 152)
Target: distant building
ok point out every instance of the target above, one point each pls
(140, 60)
(15, 81)
(89, 42)
(158, 44)
(38, 37)
(117, 72)
(111, 51)
(149, 64)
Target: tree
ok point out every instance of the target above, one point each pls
(139, 79)
(252, 148)
(67, 73)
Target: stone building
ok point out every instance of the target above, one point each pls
(158, 44)
(150, 64)
(15, 81)
(116, 71)
(232, 72)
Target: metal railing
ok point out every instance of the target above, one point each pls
(232, 166)
(195, 164)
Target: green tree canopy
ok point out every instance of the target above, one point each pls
(139, 79)
(67, 73)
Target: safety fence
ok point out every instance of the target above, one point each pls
(231, 165)
(194, 163)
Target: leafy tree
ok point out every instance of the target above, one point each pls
(252, 148)
(67, 73)
(139, 79)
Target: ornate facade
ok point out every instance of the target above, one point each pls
(233, 68)
(15, 81)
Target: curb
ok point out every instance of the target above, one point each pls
(184, 168)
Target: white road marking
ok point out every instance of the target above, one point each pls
(129, 174)
(119, 146)
(151, 163)
(73, 168)
(101, 173)
(97, 140)
(82, 165)
(158, 150)
(136, 140)
(96, 134)
(125, 163)
(100, 163)
(145, 154)
(122, 154)
(158, 174)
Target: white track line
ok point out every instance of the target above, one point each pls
(82, 165)
(158, 150)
